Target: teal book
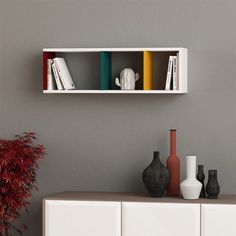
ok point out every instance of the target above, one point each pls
(105, 70)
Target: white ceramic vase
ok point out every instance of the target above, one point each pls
(191, 187)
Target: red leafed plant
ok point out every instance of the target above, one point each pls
(18, 165)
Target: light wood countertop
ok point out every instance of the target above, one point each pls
(134, 197)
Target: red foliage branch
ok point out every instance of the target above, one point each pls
(18, 165)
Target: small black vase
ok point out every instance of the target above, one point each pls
(201, 178)
(213, 187)
(156, 177)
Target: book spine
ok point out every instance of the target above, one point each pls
(57, 78)
(147, 70)
(46, 56)
(175, 73)
(105, 70)
(169, 73)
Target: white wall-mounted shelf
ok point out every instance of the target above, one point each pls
(87, 71)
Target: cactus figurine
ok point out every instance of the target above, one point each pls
(127, 79)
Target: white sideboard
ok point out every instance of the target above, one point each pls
(126, 214)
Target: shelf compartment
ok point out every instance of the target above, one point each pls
(84, 69)
(46, 56)
(160, 66)
(122, 60)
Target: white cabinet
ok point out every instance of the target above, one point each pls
(218, 220)
(160, 219)
(127, 214)
(82, 218)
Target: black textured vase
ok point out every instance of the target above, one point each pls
(201, 178)
(156, 177)
(213, 187)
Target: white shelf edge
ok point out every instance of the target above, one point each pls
(160, 49)
(113, 92)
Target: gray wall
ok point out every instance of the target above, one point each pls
(103, 142)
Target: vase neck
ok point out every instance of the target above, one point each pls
(212, 174)
(156, 157)
(172, 142)
(191, 167)
(200, 169)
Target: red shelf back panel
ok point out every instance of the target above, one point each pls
(46, 56)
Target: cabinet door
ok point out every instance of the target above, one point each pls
(75, 218)
(160, 219)
(218, 220)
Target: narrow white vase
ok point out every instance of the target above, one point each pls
(191, 187)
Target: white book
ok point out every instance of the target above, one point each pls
(57, 78)
(177, 71)
(169, 73)
(175, 86)
(64, 73)
(50, 80)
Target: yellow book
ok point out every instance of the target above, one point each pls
(147, 71)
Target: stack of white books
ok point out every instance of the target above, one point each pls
(172, 78)
(58, 75)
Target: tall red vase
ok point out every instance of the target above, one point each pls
(173, 165)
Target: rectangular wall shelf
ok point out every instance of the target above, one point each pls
(85, 68)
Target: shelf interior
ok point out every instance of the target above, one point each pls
(85, 69)
(160, 65)
(122, 60)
